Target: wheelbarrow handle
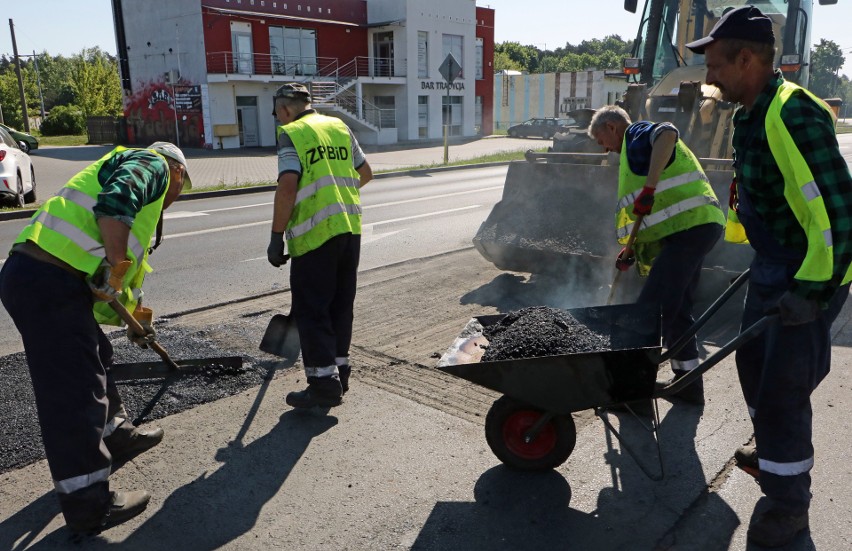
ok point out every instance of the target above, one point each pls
(137, 328)
(693, 330)
(754, 330)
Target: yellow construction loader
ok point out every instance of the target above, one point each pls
(557, 210)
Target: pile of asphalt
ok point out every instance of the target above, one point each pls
(145, 400)
(534, 234)
(540, 331)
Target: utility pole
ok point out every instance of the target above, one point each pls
(20, 79)
(38, 80)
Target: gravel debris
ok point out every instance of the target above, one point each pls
(540, 331)
(145, 400)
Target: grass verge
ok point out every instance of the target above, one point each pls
(63, 141)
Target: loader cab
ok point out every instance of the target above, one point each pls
(668, 25)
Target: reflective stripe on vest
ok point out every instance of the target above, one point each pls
(66, 227)
(328, 200)
(683, 198)
(801, 190)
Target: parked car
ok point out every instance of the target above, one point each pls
(17, 177)
(25, 141)
(543, 128)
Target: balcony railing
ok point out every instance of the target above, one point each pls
(363, 66)
(229, 63)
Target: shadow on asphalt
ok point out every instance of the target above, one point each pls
(19, 530)
(217, 508)
(530, 511)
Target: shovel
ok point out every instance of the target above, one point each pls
(282, 337)
(627, 247)
(168, 367)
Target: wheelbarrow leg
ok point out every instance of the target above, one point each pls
(652, 429)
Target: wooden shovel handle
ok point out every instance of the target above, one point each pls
(137, 328)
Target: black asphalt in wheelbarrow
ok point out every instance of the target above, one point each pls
(530, 427)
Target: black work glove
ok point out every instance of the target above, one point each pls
(275, 251)
(795, 310)
(644, 201)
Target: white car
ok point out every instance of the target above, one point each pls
(17, 177)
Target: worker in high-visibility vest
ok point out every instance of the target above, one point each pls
(321, 169)
(792, 201)
(86, 246)
(662, 180)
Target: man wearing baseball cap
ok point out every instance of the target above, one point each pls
(85, 247)
(792, 202)
(321, 169)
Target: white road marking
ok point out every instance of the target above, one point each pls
(183, 214)
(431, 197)
(186, 214)
(422, 215)
(262, 222)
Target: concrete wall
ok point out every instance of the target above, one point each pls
(521, 97)
(165, 36)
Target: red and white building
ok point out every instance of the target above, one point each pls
(202, 72)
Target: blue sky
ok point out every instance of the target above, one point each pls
(67, 26)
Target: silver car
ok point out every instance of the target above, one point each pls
(17, 177)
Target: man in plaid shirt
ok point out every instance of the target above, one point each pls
(793, 199)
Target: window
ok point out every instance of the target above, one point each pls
(422, 54)
(452, 114)
(383, 56)
(387, 111)
(477, 116)
(242, 48)
(453, 44)
(479, 47)
(294, 50)
(423, 116)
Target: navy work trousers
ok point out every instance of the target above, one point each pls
(778, 371)
(66, 353)
(674, 279)
(323, 283)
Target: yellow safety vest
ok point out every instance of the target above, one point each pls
(328, 201)
(800, 190)
(683, 199)
(65, 226)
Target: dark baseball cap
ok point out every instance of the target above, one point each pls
(745, 23)
(293, 90)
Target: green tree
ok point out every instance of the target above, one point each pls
(95, 83)
(826, 61)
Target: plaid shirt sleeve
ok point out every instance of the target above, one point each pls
(129, 181)
(812, 129)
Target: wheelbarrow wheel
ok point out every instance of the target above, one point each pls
(508, 421)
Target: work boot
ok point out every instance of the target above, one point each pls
(345, 371)
(321, 391)
(775, 528)
(746, 458)
(95, 509)
(127, 441)
(692, 393)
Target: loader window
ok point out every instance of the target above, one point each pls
(657, 42)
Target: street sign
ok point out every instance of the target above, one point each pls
(450, 69)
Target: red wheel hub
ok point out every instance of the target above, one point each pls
(516, 426)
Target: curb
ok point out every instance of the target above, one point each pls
(27, 213)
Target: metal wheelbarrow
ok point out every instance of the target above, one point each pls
(531, 428)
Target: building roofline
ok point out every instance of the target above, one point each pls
(278, 16)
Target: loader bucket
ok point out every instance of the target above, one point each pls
(559, 216)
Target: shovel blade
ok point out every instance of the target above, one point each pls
(281, 337)
(228, 365)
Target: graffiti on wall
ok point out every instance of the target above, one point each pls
(160, 111)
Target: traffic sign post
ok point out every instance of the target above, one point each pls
(450, 70)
